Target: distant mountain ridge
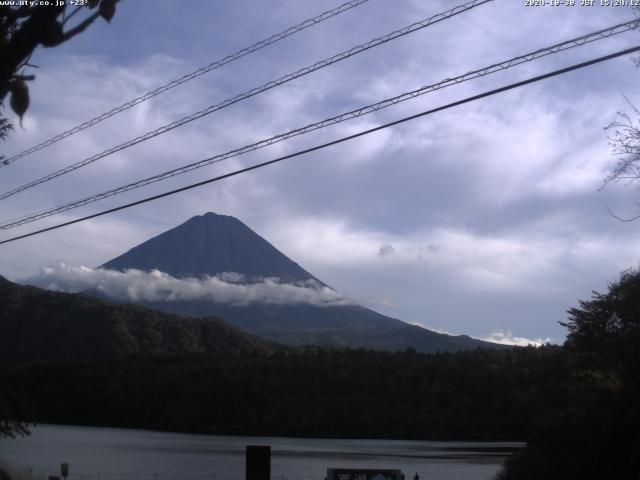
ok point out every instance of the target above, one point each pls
(211, 244)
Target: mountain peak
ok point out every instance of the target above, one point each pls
(213, 221)
(212, 216)
(211, 244)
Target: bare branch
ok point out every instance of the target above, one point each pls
(625, 141)
(623, 219)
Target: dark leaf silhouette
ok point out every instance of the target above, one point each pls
(19, 98)
(51, 34)
(107, 9)
(24, 28)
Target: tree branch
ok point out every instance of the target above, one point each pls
(622, 219)
(68, 17)
(81, 27)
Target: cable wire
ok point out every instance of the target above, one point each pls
(190, 76)
(255, 91)
(575, 42)
(335, 142)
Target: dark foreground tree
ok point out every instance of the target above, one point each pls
(604, 333)
(25, 27)
(596, 433)
(22, 29)
(4, 475)
(12, 415)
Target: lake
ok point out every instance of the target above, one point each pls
(121, 454)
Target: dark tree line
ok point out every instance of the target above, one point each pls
(482, 394)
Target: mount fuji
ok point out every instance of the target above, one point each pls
(216, 247)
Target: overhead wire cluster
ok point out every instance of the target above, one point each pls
(310, 22)
(359, 112)
(365, 110)
(538, 78)
(254, 91)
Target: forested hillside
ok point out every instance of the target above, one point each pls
(40, 325)
(482, 394)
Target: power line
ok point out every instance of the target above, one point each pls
(568, 44)
(255, 91)
(310, 22)
(335, 142)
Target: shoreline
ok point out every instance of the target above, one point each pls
(284, 436)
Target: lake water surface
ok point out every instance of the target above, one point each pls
(120, 454)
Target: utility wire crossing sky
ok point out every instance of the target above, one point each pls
(562, 71)
(553, 49)
(188, 77)
(484, 220)
(255, 91)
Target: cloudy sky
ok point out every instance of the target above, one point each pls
(484, 219)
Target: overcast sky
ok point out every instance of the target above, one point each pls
(484, 219)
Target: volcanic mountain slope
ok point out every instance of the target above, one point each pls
(36, 324)
(208, 245)
(213, 244)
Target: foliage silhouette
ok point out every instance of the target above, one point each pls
(25, 27)
(595, 431)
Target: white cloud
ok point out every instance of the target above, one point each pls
(507, 338)
(155, 286)
(487, 206)
(527, 259)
